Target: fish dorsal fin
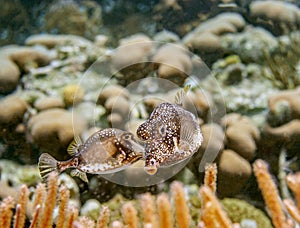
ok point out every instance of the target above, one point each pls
(80, 174)
(72, 148)
(180, 95)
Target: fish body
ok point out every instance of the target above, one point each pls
(106, 151)
(171, 134)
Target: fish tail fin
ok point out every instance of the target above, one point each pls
(47, 164)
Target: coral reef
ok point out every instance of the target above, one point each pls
(226, 213)
(125, 212)
(114, 72)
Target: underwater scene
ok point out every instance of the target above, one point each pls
(150, 113)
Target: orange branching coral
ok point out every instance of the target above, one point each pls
(292, 209)
(84, 222)
(71, 217)
(181, 207)
(293, 181)
(47, 220)
(64, 195)
(6, 212)
(130, 215)
(210, 178)
(148, 210)
(213, 214)
(40, 194)
(35, 219)
(20, 216)
(164, 211)
(270, 194)
(103, 218)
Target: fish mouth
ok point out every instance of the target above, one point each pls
(151, 170)
(151, 166)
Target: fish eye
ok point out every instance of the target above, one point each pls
(162, 130)
(152, 162)
(75, 161)
(128, 136)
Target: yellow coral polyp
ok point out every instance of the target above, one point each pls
(73, 94)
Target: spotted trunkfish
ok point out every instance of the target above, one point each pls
(106, 151)
(171, 134)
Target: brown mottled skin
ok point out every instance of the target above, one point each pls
(162, 132)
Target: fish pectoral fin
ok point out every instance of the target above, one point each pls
(180, 95)
(80, 174)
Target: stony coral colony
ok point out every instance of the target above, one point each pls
(50, 206)
(44, 97)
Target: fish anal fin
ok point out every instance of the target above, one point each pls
(80, 174)
(72, 148)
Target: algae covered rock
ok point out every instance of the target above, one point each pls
(52, 130)
(248, 45)
(239, 210)
(72, 94)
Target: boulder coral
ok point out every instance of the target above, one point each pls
(288, 134)
(52, 130)
(14, 60)
(206, 37)
(139, 46)
(44, 103)
(173, 63)
(12, 110)
(111, 91)
(241, 134)
(283, 107)
(234, 171)
(276, 11)
(50, 41)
